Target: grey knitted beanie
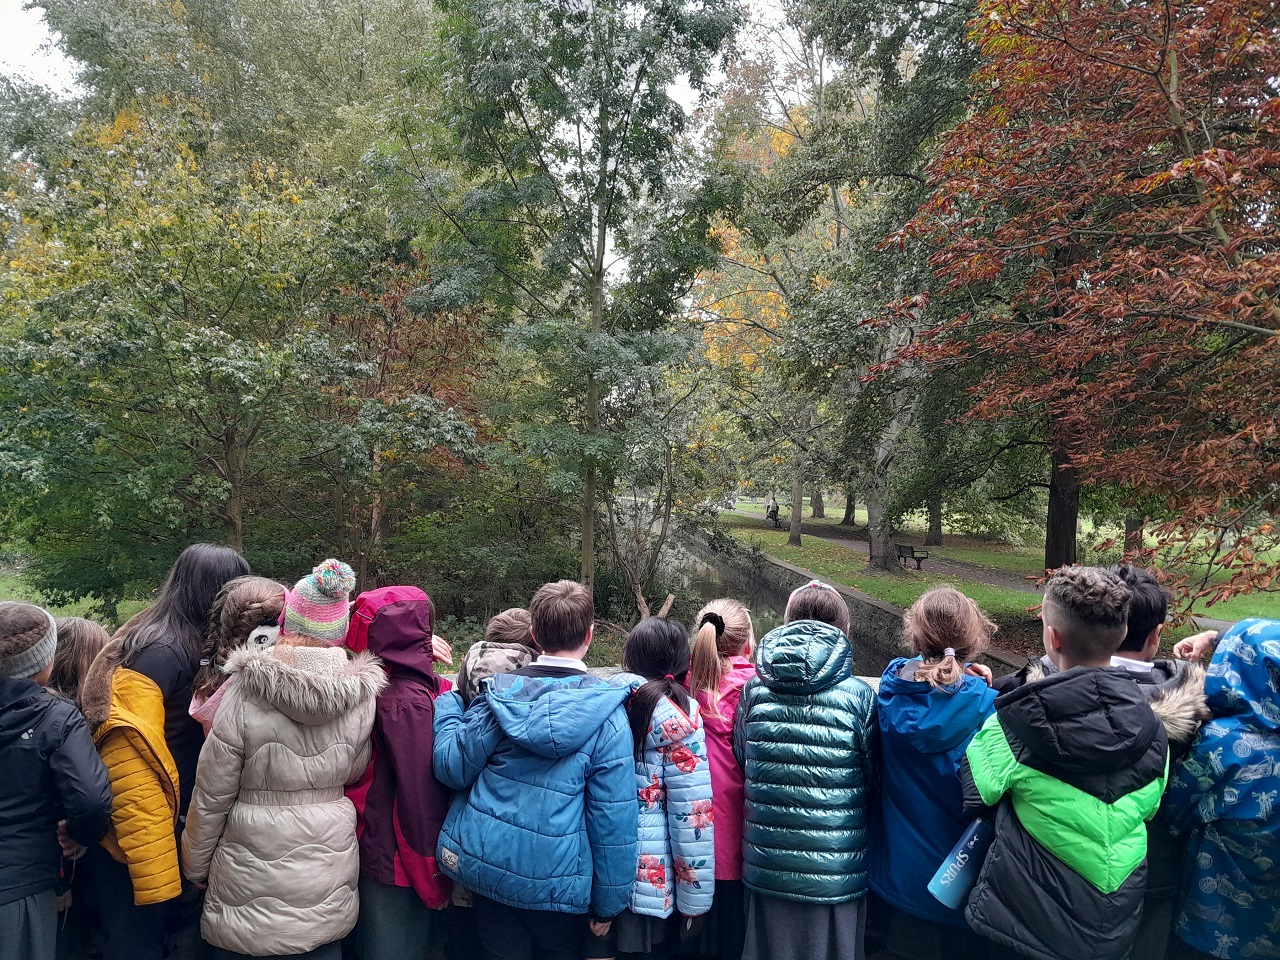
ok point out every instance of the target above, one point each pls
(28, 639)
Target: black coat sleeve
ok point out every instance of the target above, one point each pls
(81, 781)
(973, 804)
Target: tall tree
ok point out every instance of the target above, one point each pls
(561, 121)
(1107, 215)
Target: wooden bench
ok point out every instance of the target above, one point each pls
(907, 552)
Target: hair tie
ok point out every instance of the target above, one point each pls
(715, 620)
(668, 677)
(949, 652)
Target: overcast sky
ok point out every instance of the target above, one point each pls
(25, 48)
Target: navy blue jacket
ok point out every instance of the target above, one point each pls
(546, 814)
(923, 736)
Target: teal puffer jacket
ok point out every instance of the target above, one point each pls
(804, 737)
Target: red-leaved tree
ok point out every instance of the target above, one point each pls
(1106, 222)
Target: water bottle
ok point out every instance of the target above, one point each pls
(959, 872)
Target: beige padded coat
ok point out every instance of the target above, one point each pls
(269, 827)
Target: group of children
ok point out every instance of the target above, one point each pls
(297, 758)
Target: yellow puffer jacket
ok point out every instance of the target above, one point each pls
(144, 787)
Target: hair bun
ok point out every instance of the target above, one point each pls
(334, 578)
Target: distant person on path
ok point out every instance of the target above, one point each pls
(270, 831)
(52, 775)
(720, 668)
(543, 827)
(675, 877)
(804, 737)
(402, 806)
(928, 709)
(1225, 795)
(1071, 767)
(137, 699)
(771, 511)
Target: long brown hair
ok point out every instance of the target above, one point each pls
(79, 641)
(947, 629)
(241, 606)
(723, 631)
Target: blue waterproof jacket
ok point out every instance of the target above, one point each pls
(923, 735)
(804, 735)
(545, 817)
(1228, 788)
(677, 867)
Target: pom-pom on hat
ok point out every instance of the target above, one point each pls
(317, 606)
(28, 639)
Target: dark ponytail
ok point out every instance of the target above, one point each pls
(658, 650)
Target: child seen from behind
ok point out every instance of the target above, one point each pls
(804, 737)
(720, 669)
(507, 646)
(1073, 765)
(1226, 793)
(928, 709)
(676, 871)
(543, 827)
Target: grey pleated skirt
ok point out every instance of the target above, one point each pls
(790, 930)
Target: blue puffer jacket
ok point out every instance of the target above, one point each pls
(804, 736)
(923, 735)
(548, 817)
(677, 868)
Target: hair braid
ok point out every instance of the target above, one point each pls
(242, 605)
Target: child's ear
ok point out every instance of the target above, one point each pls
(591, 632)
(1152, 646)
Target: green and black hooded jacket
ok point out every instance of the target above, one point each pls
(1076, 764)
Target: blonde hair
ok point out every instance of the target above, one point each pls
(79, 641)
(946, 628)
(723, 630)
(242, 605)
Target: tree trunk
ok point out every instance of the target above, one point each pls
(849, 511)
(1133, 529)
(797, 503)
(818, 508)
(934, 537)
(236, 456)
(883, 556)
(1064, 511)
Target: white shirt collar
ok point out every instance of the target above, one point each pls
(1133, 666)
(570, 663)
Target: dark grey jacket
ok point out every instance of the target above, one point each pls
(49, 771)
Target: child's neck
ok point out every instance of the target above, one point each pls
(1067, 663)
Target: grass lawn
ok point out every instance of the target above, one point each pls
(13, 587)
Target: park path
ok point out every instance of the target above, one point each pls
(848, 537)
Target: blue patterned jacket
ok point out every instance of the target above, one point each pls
(677, 866)
(1228, 787)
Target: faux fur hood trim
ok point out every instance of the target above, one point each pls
(306, 695)
(95, 689)
(1181, 706)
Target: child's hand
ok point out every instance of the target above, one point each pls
(70, 849)
(600, 928)
(441, 652)
(1195, 647)
(980, 670)
(64, 902)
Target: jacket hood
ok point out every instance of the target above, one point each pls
(669, 725)
(934, 721)
(553, 716)
(803, 657)
(1083, 721)
(1243, 679)
(309, 685)
(399, 632)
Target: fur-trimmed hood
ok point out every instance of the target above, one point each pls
(1175, 691)
(310, 685)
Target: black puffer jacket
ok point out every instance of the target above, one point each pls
(49, 771)
(1076, 763)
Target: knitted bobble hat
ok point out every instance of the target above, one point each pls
(317, 606)
(28, 639)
